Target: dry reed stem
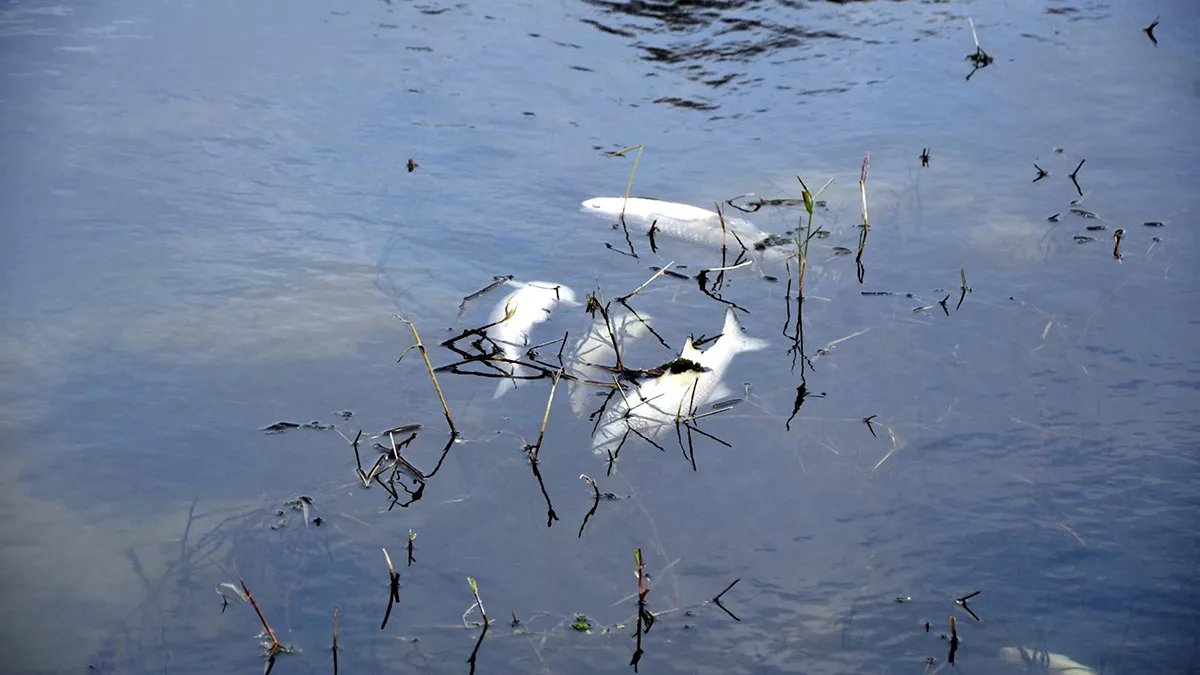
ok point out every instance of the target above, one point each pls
(275, 646)
(425, 355)
(537, 448)
(862, 188)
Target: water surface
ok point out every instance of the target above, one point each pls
(209, 224)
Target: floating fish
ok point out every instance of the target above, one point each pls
(593, 357)
(693, 224)
(688, 383)
(1047, 661)
(527, 306)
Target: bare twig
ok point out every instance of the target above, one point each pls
(717, 599)
(275, 646)
(537, 447)
(425, 355)
(862, 188)
(393, 589)
(335, 644)
(595, 502)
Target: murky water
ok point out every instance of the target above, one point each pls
(208, 223)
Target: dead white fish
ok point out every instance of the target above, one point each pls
(593, 356)
(1047, 662)
(691, 381)
(514, 318)
(693, 224)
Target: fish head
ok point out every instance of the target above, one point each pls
(606, 206)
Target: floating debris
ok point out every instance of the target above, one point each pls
(1152, 223)
(280, 427)
(1054, 218)
(1083, 238)
(1096, 228)
(1082, 213)
(412, 166)
(924, 157)
(1149, 31)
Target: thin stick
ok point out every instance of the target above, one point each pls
(335, 645)
(862, 181)
(432, 376)
(727, 268)
(962, 271)
(595, 502)
(717, 599)
(537, 448)
(656, 275)
(497, 281)
(393, 589)
(482, 612)
(275, 646)
(629, 187)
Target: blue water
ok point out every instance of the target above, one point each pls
(208, 225)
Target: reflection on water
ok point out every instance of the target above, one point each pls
(209, 220)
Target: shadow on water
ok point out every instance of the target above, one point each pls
(962, 424)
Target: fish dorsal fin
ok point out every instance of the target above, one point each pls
(690, 352)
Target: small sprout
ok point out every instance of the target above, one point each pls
(582, 623)
(1042, 173)
(1152, 223)
(412, 166)
(1054, 218)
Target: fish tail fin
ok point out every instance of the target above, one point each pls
(741, 341)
